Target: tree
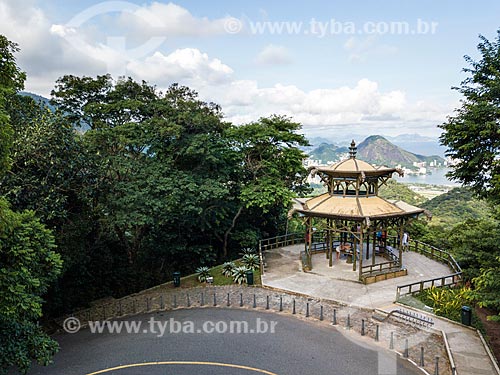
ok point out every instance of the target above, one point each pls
(29, 264)
(475, 245)
(487, 285)
(11, 80)
(271, 168)
(472, 134)
(50, 167)
(162, 167)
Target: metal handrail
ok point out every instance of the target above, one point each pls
(436, 254)
(454, 279)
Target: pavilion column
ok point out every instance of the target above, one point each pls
(354, 252)
(330, 240)
(326, 238)
(310, 241)
(374, 244)
(361, 241)
(401, 233)
(368, 244)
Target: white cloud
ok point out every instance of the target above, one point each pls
(274, 55)
(44, 55)
(174, 21)
(111, 42)
(188, 65)
(328, 110)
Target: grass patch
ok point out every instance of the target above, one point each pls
(191, 281)
(412, 301)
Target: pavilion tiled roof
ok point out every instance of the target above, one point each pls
(355, 208)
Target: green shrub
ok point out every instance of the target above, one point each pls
(239, 274)
(227, 269)
(203, 273)
(247, 250)
(251, 261)
(447, 302)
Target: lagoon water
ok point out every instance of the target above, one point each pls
(436, 178)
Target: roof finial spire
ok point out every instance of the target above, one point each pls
(352, 150)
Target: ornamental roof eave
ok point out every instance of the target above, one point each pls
(381, 172)
(356, 208)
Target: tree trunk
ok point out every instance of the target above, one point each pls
(228, 231)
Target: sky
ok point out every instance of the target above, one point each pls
(337, 67)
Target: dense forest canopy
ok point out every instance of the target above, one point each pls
(28, 260)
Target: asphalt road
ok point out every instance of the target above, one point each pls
(295, 347)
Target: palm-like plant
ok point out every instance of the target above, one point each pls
(227, 269)
(247, 250)
(251, 261)
(203, 274)
(240, 274)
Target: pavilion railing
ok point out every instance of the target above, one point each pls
(380, 268)
(419, 286)
(276, 242)
(437, 254)
(318, 245)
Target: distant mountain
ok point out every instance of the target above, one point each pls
(317, 141)
(378, 150)
(38, 98)
(375, 150)
(326, 152)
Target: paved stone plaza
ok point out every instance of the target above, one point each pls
(340, 283)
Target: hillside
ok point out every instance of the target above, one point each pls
(396, 190)
(328, 153)
(377, 150)
(456, 206)
(39, 99)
